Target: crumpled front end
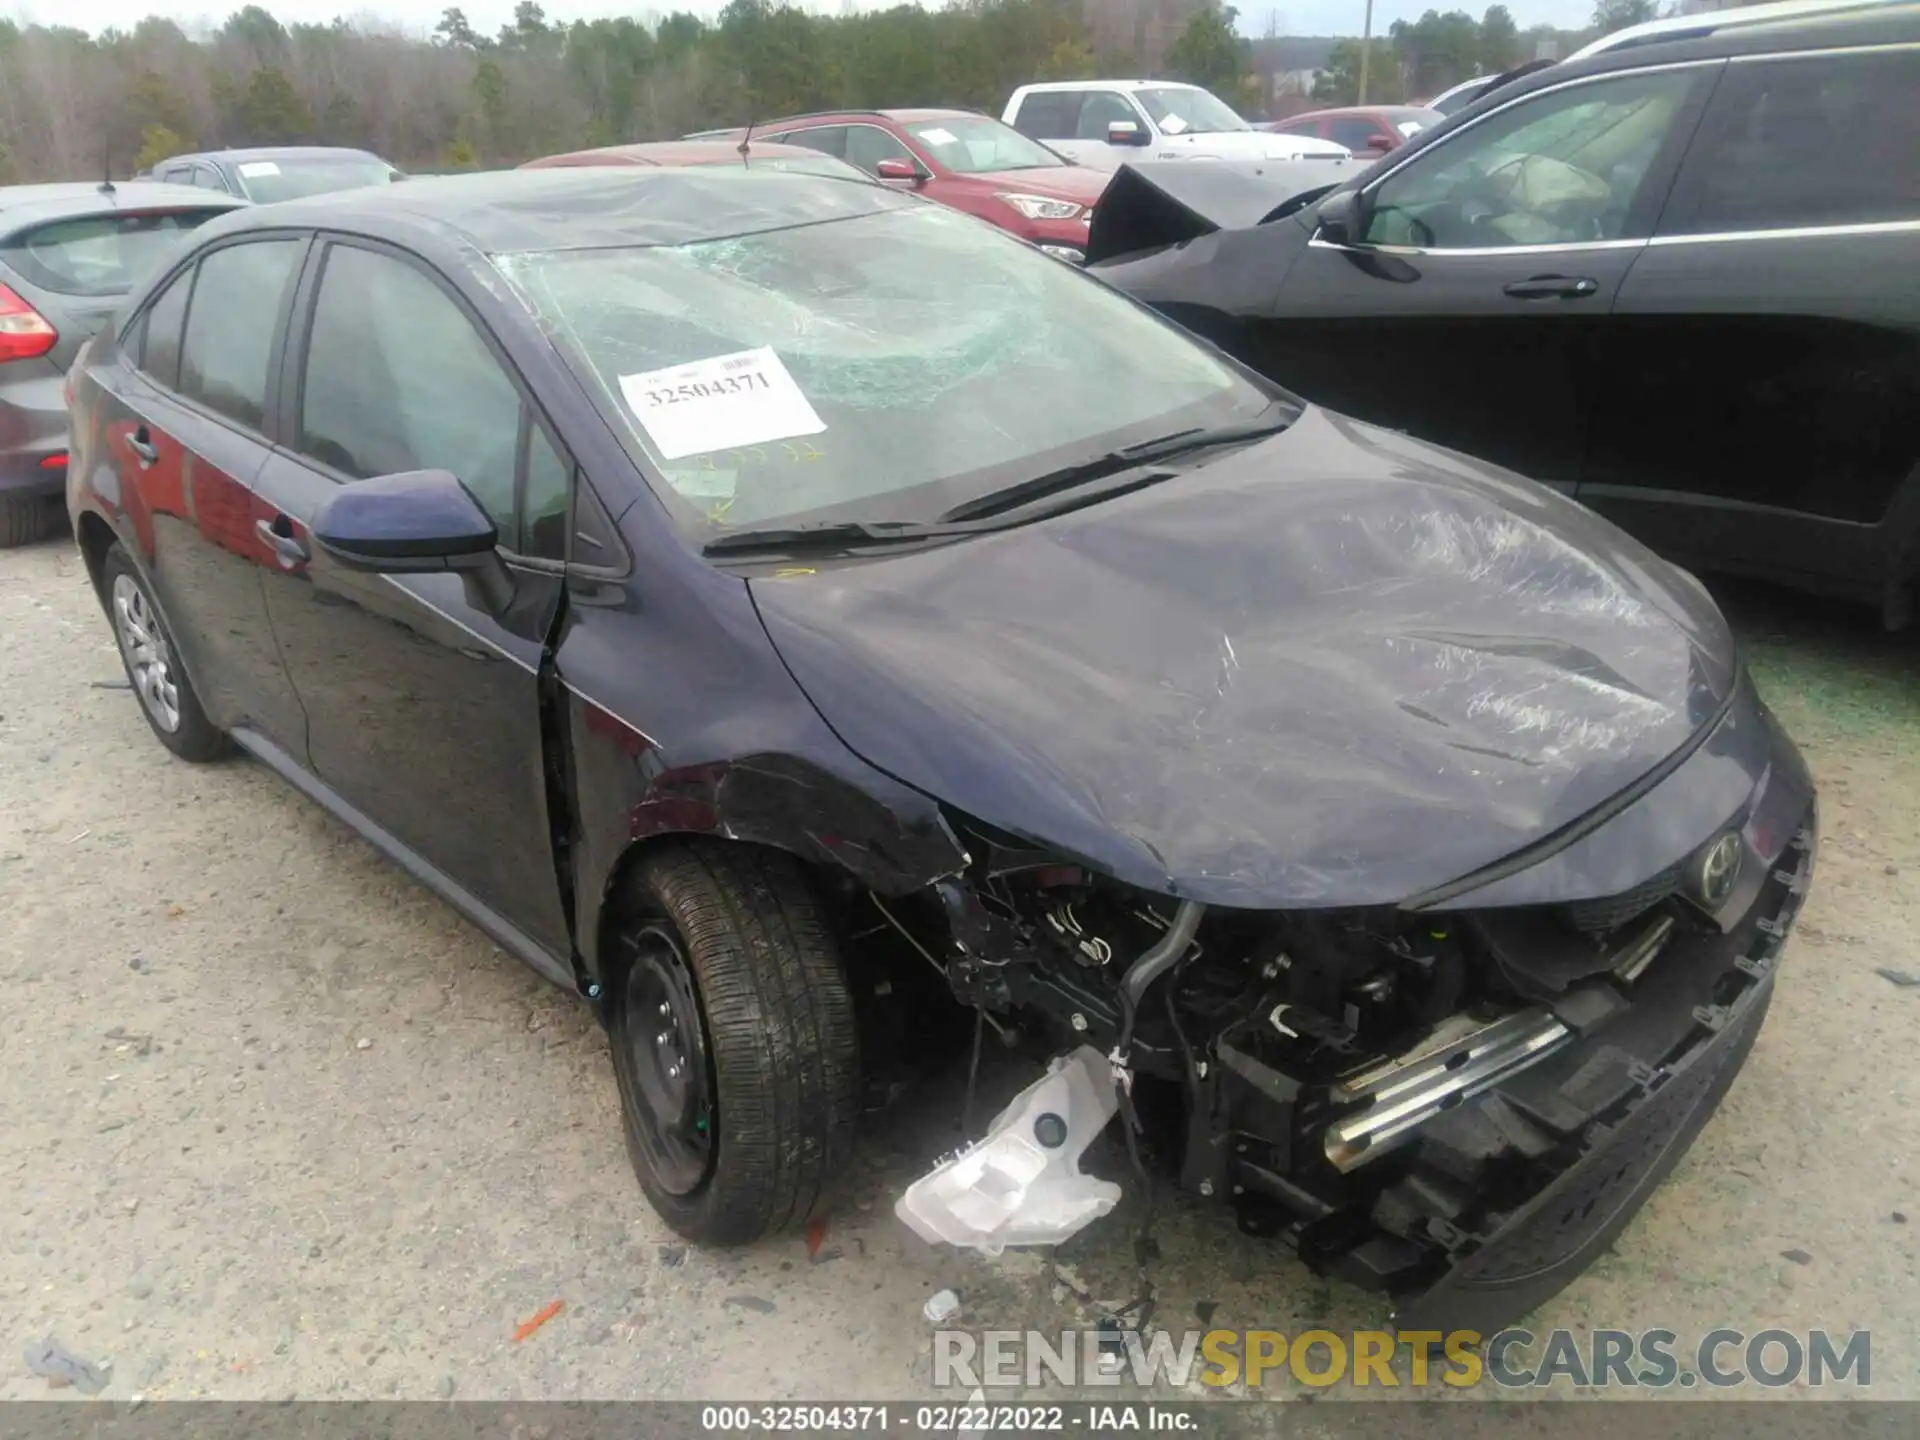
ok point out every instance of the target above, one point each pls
(1459, 1100)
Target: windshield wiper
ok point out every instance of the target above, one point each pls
(986, 512)
(1128, 457)
(830, 535)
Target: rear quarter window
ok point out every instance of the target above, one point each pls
(99, 254)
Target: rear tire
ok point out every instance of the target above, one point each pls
(28, 519)
(733, 1038)
(166, 696)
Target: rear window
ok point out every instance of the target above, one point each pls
(100, 254)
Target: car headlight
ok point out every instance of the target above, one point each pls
(1039, 207)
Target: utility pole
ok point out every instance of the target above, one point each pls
(1366, 53)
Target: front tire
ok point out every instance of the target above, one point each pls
(167, 697)
(733, 1038)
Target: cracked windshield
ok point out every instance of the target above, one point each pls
(833, 374)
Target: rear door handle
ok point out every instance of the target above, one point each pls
(142, 448)
(277, 535)
(1553, 287)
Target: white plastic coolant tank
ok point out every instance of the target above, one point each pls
(1021, 1184)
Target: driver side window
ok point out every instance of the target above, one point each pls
(1566, 168)
(1104, 108)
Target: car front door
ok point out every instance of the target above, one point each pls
(188, 429)
(1759, 408)
(1465, 302)
(423, 702)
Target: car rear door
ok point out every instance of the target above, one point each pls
(1468, 307)
(187, 430)
(424, 706)
(1759, 408)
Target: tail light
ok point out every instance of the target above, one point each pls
(24, 331)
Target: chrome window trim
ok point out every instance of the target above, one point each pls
(1797, 232)
(1828, 53)
(1316, 243)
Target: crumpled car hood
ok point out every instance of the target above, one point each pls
(1340, 667)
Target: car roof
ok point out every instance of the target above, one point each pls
(277, 152)
(576, 207)
(1889, 22)
(671, 152)
(22, 206)
(1710, 22)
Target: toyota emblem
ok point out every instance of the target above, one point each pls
(1719, 871)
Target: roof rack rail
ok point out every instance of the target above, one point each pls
(777, 120)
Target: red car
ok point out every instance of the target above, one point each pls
(960, 158)
(1363, 129)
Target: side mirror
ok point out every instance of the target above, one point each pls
(1378, 144)
(1127, 132)
(1339, 218)
(896, 168)
(415, 522)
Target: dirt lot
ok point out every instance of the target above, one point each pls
(279, 1124)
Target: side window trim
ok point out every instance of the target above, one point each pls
(294, 375)
(1658, 184)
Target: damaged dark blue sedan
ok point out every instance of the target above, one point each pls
(777, 608)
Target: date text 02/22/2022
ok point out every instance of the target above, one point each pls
(953, 1418)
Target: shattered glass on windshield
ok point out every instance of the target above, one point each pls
(932, 347)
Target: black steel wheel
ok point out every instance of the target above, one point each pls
(731, 1027)
(667, 1058)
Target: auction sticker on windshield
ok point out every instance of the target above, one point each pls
(745, 398)
(257, 169)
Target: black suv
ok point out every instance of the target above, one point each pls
(1680, 281)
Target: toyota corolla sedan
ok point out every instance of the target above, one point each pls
(760, 603)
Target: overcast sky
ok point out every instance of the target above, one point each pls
(1300, 17)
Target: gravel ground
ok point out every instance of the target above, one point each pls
(280, 1125)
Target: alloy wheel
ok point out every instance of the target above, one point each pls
(149, 658)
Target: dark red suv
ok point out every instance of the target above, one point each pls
(960, 158)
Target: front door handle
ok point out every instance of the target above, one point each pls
(142, 447)
(277, 535)
(1553, 287)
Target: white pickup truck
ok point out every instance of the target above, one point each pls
(1102, 124)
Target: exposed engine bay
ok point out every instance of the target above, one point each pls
(1409, 1098)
